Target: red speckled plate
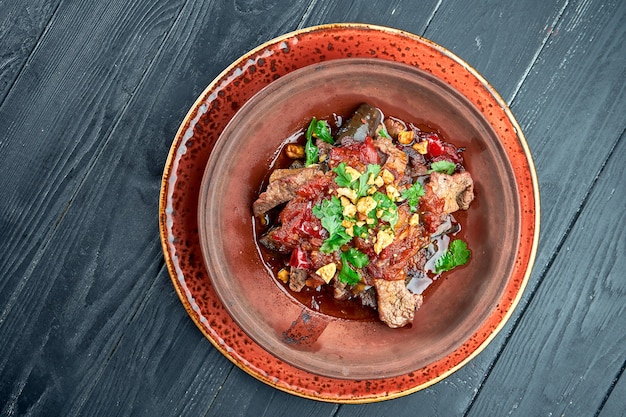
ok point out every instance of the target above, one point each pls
(200, 131)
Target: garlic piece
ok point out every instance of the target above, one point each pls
(387, 176)
(347, 192)
(327, 272)
(421, 147)
(384, 238)
(365, 204)
(353, 173)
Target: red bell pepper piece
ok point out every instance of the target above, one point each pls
(299, 259)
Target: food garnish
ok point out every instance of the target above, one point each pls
(445, 167)
(457, 254)
(412, 195)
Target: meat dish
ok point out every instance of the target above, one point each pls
(364, 211)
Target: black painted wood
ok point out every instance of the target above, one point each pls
(569, 346)
(21, 27)
(91, 95)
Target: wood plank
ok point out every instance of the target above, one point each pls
(615, 404)
(501, 41)
(21, 27)
(120, 326)
(567, 108)
(70, 289)
(59, 114)
(123, 344)
(570, 344)
(399, 14)
(241, 396)
(167, 365)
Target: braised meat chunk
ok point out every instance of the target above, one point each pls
(282, 187)
(396, 304)
(457, 190)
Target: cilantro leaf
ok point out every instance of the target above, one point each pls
(347, 275)
(335, 241)
(360, 231)
(355, 257)
(388, 207)
(371, 170)
(457, 254)
(321, 130)
(383, 133)
(390, 217)
(343, 179)
(359, 185)
(412, 195)
(330, 212)
(310, 150)
(445, 167)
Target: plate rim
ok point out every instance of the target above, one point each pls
(168, 242)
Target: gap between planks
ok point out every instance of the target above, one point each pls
(542, 275)
(28, 59)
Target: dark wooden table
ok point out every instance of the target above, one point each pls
(91, 96)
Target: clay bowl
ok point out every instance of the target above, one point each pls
(325, 344)
(222, 153)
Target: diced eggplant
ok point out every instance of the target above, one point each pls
(363, 123)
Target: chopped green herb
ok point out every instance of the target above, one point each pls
(375, 220)
(356, 257)
(371, 170)
(457, 254)
(330, 212)
(335, 241)
(383, 133)
(360, 185)
(445, 167)
(388, 208)
(310, 150)
(321, 130)
(343, 179)
(412, 195)
(347, 275)
(360, 231)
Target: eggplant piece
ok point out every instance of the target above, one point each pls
(363, 123)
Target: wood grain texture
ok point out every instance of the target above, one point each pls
(21, 26)
(145, 342)
(59, 115)
(241, 395)
(89, 322)
(615, 404)
(560, 105)
(399, 14)
(573, 335)
(71, 273)
(148, 360)
(500, 40)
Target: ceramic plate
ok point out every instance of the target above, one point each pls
(199, 133)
